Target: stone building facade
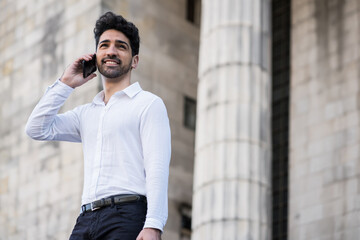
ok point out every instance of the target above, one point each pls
(276, 84)
(324, 134)
(41, 182)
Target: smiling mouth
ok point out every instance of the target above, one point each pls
(111, 62)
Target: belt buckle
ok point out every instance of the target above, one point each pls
(96, 205)
(93, 208)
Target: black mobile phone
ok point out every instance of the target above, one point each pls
(89, 66)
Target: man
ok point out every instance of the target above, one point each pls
(125, 135)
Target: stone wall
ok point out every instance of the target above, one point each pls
(41, 182)
(325, 137)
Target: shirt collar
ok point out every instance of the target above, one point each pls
(130, 91)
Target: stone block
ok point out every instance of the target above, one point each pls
(321, 162)
(299, 171)
(318, 131)
(351, 233)
(184, 182)
(226, 56)
(182, 155)
(350, 153)
(311, 214)
(238, 229)
(350, 54)
(34, 37)
(320, 229)
(303, 12)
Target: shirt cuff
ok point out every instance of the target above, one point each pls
(154, 223)
(61, 88)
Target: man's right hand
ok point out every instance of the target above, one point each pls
(73, 74)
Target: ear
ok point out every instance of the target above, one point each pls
(135, 61)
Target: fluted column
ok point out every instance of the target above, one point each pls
(232, 154)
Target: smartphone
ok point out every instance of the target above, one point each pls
(89, 66)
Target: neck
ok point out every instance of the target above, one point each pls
(111, 86)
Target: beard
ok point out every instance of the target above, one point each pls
(114, 71)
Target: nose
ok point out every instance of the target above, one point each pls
(111, 51)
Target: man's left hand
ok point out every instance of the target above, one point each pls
(149, 234)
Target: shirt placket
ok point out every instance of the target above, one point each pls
(98, 154)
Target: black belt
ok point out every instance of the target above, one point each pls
(104, 202)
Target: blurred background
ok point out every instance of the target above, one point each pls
(264, 106)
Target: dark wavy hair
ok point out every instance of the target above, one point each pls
(112, 21)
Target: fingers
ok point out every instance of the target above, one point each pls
(73, 74)
(149, 234)
(139, 237)
(91, 76)
(77, 67)
(87, 57)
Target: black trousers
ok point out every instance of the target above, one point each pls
(118, 222)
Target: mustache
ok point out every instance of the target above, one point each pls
(113, 58)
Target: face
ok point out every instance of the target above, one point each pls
(114, 56)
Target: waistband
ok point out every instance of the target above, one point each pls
(117, 199)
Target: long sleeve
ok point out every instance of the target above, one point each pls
(156, 143)
(45, 124)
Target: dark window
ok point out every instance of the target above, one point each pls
(190, 10)
(280, 116)
(189, 113)
(193, 11)
(185, 212)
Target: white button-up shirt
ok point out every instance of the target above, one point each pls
(126, 143)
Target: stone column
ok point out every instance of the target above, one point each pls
(232, 154)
